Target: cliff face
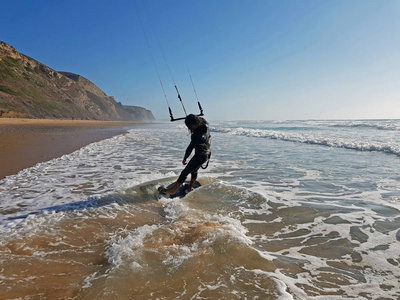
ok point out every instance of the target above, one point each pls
(31, 89)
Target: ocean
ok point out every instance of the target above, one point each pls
(286, 210)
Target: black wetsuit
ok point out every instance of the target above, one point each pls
(201, 143)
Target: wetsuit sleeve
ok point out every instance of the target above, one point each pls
(189, 150)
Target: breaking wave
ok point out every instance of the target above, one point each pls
(315, 139)
(390, 125)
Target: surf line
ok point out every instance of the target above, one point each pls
(169, 70)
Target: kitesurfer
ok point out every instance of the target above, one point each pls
(201, 143)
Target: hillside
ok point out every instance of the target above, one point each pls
(30, 89)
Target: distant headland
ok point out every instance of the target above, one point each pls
(29, 89)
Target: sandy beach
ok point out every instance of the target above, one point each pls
(26, 142)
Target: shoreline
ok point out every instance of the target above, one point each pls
(26, 142)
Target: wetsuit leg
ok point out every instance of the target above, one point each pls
(192, 167)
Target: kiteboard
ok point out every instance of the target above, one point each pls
(180, 192)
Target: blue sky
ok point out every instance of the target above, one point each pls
(253, 59)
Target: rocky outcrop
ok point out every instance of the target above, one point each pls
(28, 88)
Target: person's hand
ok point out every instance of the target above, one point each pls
(184, 162)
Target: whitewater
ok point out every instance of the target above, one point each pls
(287, 210)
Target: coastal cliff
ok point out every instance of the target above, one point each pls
(29, 89)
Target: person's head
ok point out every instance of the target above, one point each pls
(193, 122)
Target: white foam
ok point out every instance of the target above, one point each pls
(122, 249)
(391, 125)
(85, 172)
(183, 220)
(356, 143)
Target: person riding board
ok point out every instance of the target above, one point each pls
(201, 143)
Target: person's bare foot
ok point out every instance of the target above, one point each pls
(167, 191)
(171, 190)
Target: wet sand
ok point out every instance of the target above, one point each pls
(26, 142)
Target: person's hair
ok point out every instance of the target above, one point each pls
(194, 120)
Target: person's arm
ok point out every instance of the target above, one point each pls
(188, 151)
(195, 140)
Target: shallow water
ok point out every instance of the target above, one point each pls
(287, 210)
